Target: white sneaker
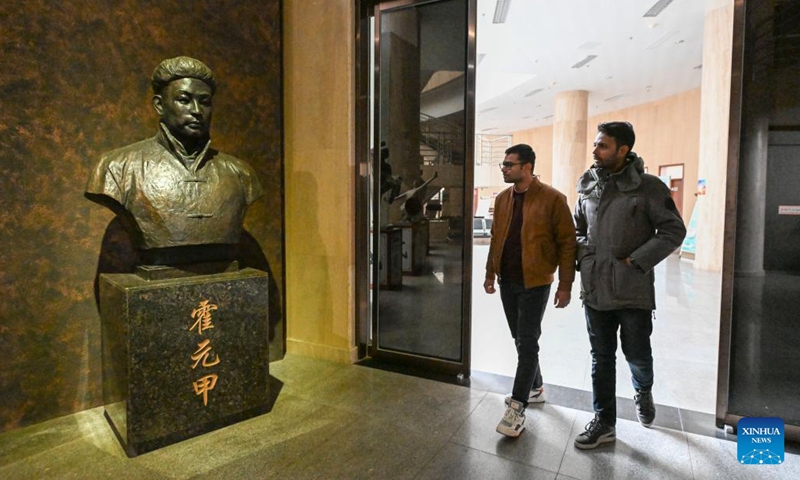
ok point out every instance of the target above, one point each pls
(536, 396)
(513, 422)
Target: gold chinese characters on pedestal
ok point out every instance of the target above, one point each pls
(204, 355)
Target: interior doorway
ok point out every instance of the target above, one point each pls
(641, 63)
(672, 175)
(514, 101)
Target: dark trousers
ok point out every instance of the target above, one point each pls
(524, 309)
(635, 326)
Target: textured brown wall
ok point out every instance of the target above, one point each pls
(74, 84)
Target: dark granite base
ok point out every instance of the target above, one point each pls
(168, 372)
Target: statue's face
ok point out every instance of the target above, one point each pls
(185, 107)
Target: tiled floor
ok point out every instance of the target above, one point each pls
(351, 422)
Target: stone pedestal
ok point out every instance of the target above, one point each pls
(414, 247)
(390, 258)
(182, 356)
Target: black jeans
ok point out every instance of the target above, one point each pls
(635, 327)
(524, 309)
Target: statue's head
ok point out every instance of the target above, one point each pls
(183, 89)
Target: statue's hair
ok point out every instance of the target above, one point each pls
(181, 67)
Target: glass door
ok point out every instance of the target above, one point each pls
(421, 182)
(759, 362)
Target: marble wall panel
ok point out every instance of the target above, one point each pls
(74, 84)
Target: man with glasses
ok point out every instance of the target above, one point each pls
(532, 235)
(626, 223)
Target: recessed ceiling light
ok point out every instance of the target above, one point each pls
(533, 92)
(488, 109)
(489, 129)
(501, 11)
(698, 67)
(585, 61)
(589, 45)
(615, 97)
(657, 8)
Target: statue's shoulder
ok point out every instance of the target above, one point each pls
(128, 153)
(234, 162)
(241, 167)
(247, 175)
(108, 175)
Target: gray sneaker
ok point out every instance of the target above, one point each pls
(513, 422)
(596, 433)
(535, 396)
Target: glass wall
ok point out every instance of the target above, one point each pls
(761, 298)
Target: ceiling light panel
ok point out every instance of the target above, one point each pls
(583, 62)
(533, 92)
(589, 45)
(501, 11)
(657, 8)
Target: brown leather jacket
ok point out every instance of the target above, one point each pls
(548, 236)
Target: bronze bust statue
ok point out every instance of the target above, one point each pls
(174, 189)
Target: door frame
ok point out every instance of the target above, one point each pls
(366, 310)
(679, 203)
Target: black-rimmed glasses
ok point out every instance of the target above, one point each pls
(505, 165)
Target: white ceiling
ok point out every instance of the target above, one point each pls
(638, 59)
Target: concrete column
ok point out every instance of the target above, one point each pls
(713, 151)
(400, 100)
(756, 105)
(570, 150)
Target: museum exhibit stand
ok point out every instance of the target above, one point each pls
(183, 353)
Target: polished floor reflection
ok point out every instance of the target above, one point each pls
(424, 317)
(685, 337)
(351, 422)
(765, 362)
